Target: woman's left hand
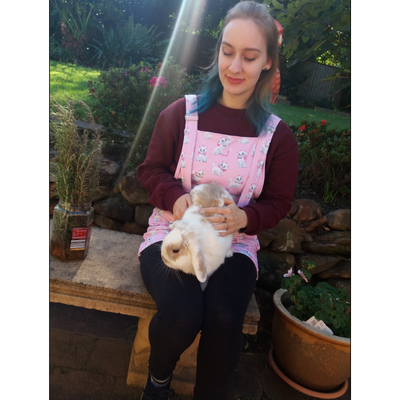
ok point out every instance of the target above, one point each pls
(230, 220)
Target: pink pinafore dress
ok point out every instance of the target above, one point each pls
(236, 163)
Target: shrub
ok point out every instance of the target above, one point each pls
(121, 103)
(126, 45)
(324, 157)
(60, 53)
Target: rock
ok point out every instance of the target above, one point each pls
(108, 170)
(115, 208)
(272, 266)
(335, 237)
(305, 210)
(310, 226)
(116, 188)
(134, 228)
(132, 190)
(339, 220)
(266, 306)
(287, 237)
(105, 191)
(341, 270)
(106, 223)
(335, 243)
(143, 213)
(53, 193)
(53, 203)
(53, 168)
(322, 262)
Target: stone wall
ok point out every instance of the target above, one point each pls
(305, 233)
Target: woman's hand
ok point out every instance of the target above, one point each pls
(232, 218)
(181, 205)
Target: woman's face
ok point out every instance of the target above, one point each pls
(242, 57)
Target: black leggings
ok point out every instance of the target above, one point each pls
(184, 310)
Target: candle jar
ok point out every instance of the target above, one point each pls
(72, 225)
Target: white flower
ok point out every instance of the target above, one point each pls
(289, 273)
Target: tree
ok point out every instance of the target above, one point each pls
(315, 28)
(323, 25)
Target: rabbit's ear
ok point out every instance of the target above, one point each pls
(197, 260)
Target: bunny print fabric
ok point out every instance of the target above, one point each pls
(236, 163)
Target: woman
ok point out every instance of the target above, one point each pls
(230, 137)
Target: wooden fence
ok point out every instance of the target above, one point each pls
(315, 89)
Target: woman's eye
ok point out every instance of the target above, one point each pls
(249, 59)
(227, 54)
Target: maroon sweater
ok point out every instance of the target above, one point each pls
(156, 174)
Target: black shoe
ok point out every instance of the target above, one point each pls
(152, 392)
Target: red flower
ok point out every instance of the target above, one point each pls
(303, 128)
(323, 122)
(92, 90)
(158, 81)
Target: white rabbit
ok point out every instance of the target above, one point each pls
(193, 245)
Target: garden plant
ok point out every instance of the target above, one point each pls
(76, 182)
(130, 100)
(325, 303)
(325, 159)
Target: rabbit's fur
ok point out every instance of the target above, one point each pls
(193, 245)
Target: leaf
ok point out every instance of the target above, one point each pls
(277, 5)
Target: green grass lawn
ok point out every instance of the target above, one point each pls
(296, 114)
(70, 81)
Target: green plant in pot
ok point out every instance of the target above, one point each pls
(313, 361)
(76, 181)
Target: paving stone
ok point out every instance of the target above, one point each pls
(110, 357)
(69, 349)
(70, 384)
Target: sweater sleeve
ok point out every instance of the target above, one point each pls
(156, 173)
(276, 197)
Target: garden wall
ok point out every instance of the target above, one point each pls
(305, 233)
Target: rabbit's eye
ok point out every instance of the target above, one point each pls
(175, 251)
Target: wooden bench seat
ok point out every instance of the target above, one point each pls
(109, 279)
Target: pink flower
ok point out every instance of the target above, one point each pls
(92, 90)
(158, 81)
(302, 275)
(145, 70)
(289, 273)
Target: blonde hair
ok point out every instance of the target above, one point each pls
(257, 107)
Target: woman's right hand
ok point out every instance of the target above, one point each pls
(181, 205)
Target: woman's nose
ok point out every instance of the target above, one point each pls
(236, 65)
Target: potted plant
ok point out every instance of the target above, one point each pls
(309, 359)
(76, 181)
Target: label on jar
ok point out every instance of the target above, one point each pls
(79, 238)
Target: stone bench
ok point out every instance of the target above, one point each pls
(109, 279)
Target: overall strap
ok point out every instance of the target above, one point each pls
(184, 170)
(255, 181)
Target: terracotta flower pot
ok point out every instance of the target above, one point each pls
(311, 358)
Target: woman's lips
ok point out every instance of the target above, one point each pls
(234, 81)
